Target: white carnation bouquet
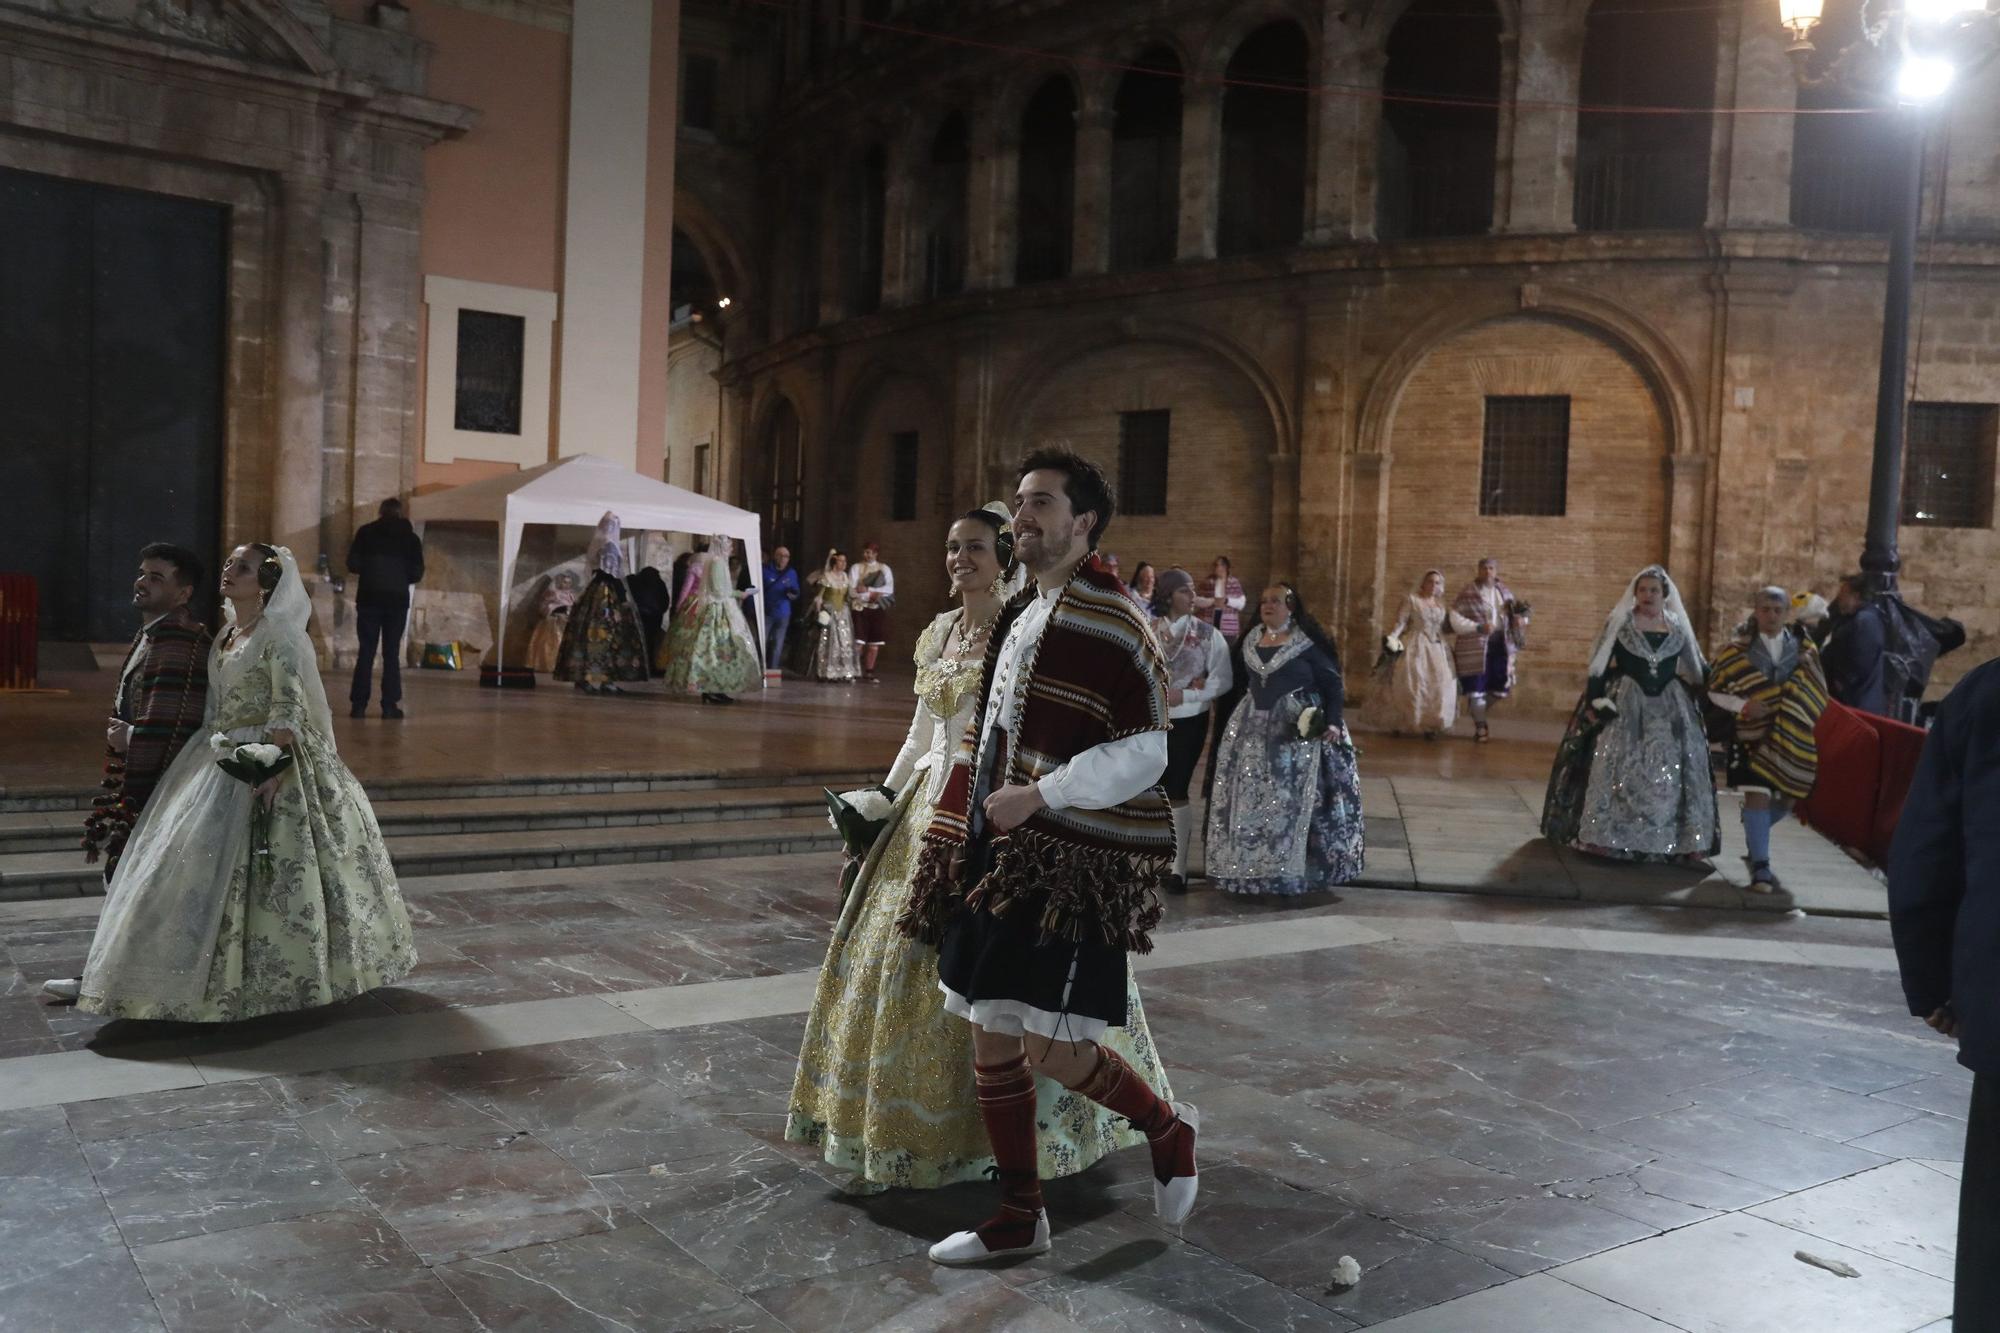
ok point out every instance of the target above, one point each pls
(253, 763)
(1313, 723)
(859, 817)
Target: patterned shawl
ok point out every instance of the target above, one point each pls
(1780, 744)
(1469, 650)
(163, 702)
(1094, 677)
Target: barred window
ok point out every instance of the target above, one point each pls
(1948, 465)
(903, 476)
(1524, 459)
(1142, 461)
(491, 356)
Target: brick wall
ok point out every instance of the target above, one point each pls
(1571, 568)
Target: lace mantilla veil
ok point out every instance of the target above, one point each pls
(1676, 614)
(286, 628)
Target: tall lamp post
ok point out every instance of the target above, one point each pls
(1907, 59)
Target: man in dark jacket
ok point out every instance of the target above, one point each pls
(389, 557)
(1944, 911)
(1853, 654)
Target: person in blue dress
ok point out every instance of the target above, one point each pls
(1284, 817)
(1631, 779)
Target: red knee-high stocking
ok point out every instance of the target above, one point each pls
(1116, 1087)
(1007, 1104)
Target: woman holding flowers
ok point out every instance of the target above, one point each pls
(885, 1077)
(827, 648)
(256, 881)
(1422, 693)
(1631, 778)
(1285, 815)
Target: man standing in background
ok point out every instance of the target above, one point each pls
(389, 557)
(781, 589)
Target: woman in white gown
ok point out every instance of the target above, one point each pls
(1422, 694)
(222, 911)
(885, 1082)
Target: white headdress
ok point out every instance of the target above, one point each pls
(1676, 614)
(286, 629)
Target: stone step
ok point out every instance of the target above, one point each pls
(35, 875)
(59, 830)
(44, 800)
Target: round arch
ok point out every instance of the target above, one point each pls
(1019, 394)
(1230, 32)
(719, 251)
(1658, 362)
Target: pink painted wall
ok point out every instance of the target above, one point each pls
(494, 199)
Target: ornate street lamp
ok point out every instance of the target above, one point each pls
(1907, 58)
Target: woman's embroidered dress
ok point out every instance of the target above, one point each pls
(1285, 813)
(206, 923)
(1636, 786)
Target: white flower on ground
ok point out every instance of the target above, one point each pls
(259, 754)
(870, 804)
(1346, 1273)
(1309, 721)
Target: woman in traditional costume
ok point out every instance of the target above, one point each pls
(601, 644)
(885, 1083)
(1422, 693)
(558, 599)
(709, 651)
(830, 653)
(1284, 816)
(1771, 679)
(233, 901)
(1631, 778)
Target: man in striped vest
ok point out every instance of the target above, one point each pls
(1769, 676)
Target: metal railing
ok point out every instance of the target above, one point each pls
(1435, 196)
(1656, 191)
(1850, 191)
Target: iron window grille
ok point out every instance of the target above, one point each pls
(1142, 461)
(1524, 458)
(1948, 465)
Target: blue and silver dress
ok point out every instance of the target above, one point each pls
(1636, 786)
(1285, 813)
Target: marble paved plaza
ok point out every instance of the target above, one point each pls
(1515, 1115)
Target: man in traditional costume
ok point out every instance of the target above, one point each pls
(1770, 677)
(874, 594)
(1198, 673)
(1041, 868)
(161, 692)
(1485, 658)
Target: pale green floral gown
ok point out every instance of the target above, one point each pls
(203, 922)
(884, 1085)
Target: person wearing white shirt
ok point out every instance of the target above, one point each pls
(1197, 675)
(874, 594)
(1042, 865)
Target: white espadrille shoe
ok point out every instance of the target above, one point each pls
(962, 1249)
(1173, 1199)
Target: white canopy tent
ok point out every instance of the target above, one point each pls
(577, 491)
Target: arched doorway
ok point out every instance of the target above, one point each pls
(1047, 193)
(1146, 163)
(780, 472)
(1264, 142)
(1542, 443)
(1436, 157)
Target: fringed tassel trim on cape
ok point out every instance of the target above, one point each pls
(1080, 890)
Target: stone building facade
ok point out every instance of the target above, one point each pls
(1352, 253)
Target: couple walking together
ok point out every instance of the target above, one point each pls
(976, 1010)
(245, 871)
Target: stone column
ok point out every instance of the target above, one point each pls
(993, 210)
(1090, 236)
(1201, 168)
(1750, 179)
(1346, 133)
(833, 240)
(386, 319)
(1541, 154)
(297, 465)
